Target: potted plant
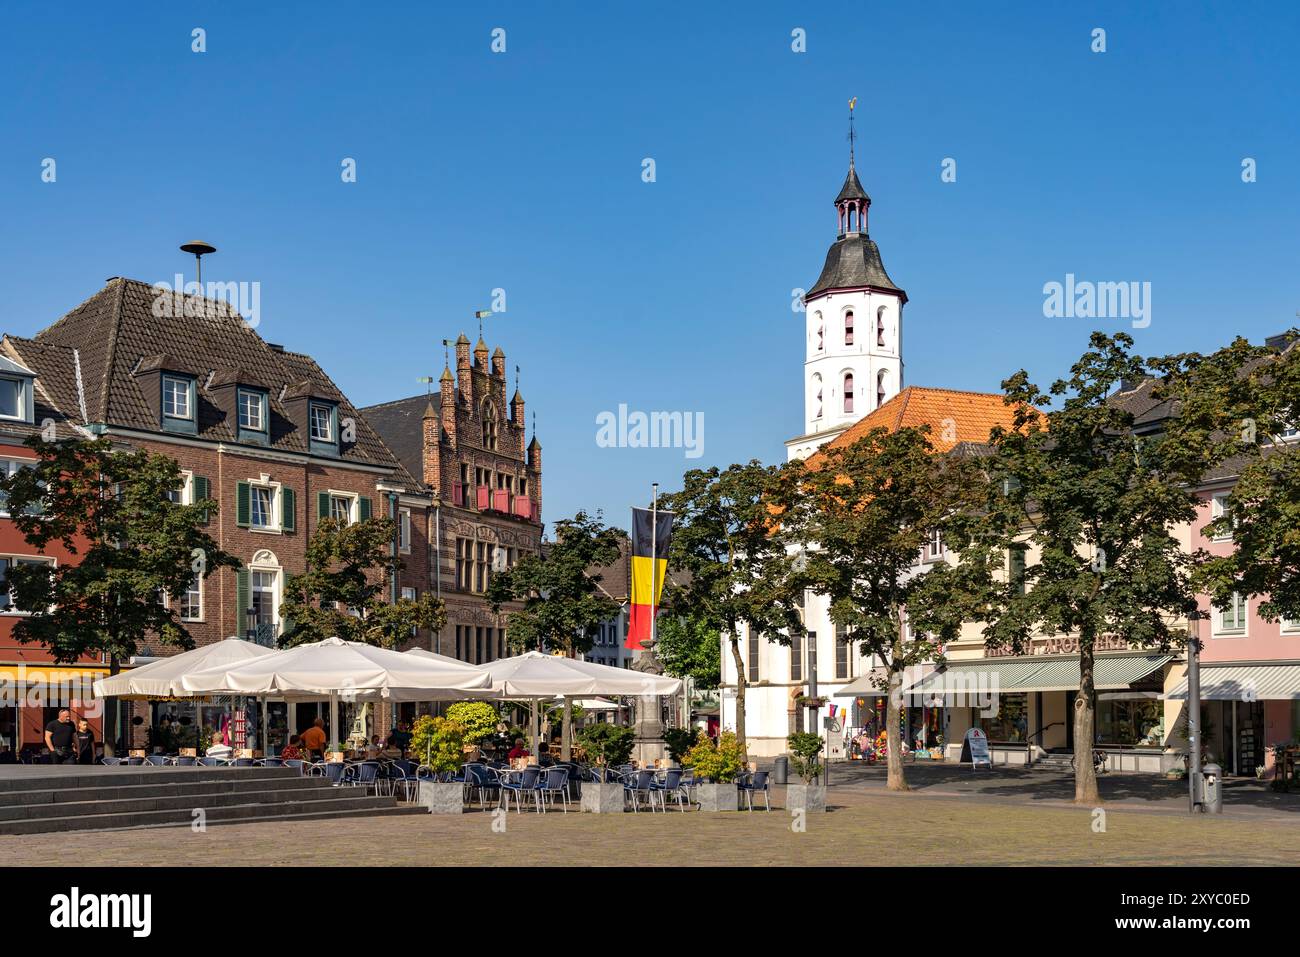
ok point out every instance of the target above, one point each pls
(438, 741)
(717, 768)
(680, 741)
(805, 754)
(607, 745)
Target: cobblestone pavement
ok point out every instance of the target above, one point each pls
(865, 826)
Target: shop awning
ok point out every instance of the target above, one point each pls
(869, 685)
(1255, 682)
(1022, 674)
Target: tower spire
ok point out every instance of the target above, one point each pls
(853, 102)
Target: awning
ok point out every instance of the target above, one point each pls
(871, 684)
(1022, 674)
(1257, 682)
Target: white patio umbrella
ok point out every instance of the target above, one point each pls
(336, 667)
(535, 675)
(434, 656)
(162, 678)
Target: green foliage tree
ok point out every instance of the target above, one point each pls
(689, 647)
(345, 589)
(736, 568)
(111, 508)
(861, 517)
(439, 743)
(1099, 506)
(805, 752)
(607, 744)
(680, 741)
(563, 605)
(720, 763)
(478, 718)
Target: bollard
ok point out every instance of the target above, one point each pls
(781, 770)
(1212, 789)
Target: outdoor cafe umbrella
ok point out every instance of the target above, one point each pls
(162, 678)
(336, 667)
(535, 675)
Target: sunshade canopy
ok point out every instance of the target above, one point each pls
(162, 678)
(1245, 682)
(1110, 673)
(535, 675)
(335, 666)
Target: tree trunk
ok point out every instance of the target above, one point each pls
(740, 695)
(1085, 723)
(110, 712)
(896, 780)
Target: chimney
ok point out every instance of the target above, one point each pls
(448, 405)
(432, 462)
(464, 381)
(499, 364)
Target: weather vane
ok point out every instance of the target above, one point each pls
(852, 103)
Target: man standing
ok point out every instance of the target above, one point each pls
(58, 738)
(313, 739)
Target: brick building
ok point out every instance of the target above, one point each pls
(32, 687)
(469, 446)
(262, 430)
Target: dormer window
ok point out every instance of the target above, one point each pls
(252, 414)
(178, 397)
(11, 399)
(322, 423)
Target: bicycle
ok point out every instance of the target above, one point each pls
(1098, 761)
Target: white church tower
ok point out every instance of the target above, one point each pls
(853, 327)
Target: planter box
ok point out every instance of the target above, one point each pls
(718, 797)
(441, 797)
(805, 797)
(602, 798)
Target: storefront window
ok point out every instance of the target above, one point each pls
(1012, 721)
(1138, 722)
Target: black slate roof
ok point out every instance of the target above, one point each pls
(401, 423)
(852, 189)
(852, 262)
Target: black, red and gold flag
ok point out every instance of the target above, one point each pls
(650, 534)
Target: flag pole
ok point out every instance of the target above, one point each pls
(654, 566)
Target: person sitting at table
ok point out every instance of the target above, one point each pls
(313, 739)
(519, 751)
(293, 750)
(374, 750)
(219, 748)
(544, 756)
(400, 737)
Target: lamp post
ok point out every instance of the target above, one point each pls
(1194, 714)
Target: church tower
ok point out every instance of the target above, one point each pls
(853, 327)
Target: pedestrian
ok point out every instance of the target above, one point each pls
(84, 742)
(58, 737)
(313, 739)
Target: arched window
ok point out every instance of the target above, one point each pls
(817, 396)
(880, 390)
(848, 392)
(820, 333)
(848, 328)
(880, 326)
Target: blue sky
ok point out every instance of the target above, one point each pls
(522, 171)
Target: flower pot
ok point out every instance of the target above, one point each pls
(600, 798)
(718, 797)
(805, 797)
(441, 797)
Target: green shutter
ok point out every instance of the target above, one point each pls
(322, 504)
(242, 599)
(242, 506)
(202, 489)
(364, 508)
(287, 509)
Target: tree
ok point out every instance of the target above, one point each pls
(344, 590)
(1243, 403)
(563, 605)
(689, 648)
(862, 515)
(722, 539)
(112, 508)
(1095, 507)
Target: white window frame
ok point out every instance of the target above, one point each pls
(1219, 508)
(1287, 626)
(933, 553)
(276, 491)
(11, 466)
(265, 562)
(354, 506)
(198, 581)
(22, 401)
(187, 388)
(1221, 630)
(261, 397)
(186, 488)
(312, 409)
(404, 530)
(8, 608)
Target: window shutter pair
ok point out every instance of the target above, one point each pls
(244, 508)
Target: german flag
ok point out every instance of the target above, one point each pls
(650, 534)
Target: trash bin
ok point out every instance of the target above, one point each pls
(781, 770)
(1212, 789)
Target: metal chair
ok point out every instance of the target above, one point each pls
(671, 783)
(184, 762)
(332, 771)
(555, 781)
(298, 764)
(112, 762)
(637, 784)
(157, 760)
(363, 775)
(269, 763)
(479, 778)
(212, 762)
(756, 783)
(242, 763)
(520, 783)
